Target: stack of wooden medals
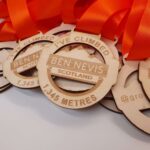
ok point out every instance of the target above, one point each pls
(77, 70)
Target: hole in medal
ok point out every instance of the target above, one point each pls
(72, 74)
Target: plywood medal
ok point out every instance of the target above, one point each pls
(144, 76)
(24, 58)
(130, 98)
(87, 69)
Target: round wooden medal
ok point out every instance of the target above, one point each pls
(79, 68)
(144, 76)
(130, 98)
(24, 58)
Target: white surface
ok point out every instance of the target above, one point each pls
(28, 121)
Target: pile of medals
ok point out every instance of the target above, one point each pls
(77, 70)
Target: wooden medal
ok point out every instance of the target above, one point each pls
(24, 58)
(130, 98)
(77, 67)
(144, 76)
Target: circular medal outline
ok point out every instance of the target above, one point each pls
(14, 77)
(45, 80)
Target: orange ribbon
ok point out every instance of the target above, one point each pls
(101, 13)
(3, 9)
(68, 14)
(128, 20)
(73, 10)
(21, 20)
(28, 21)
(136, 37)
